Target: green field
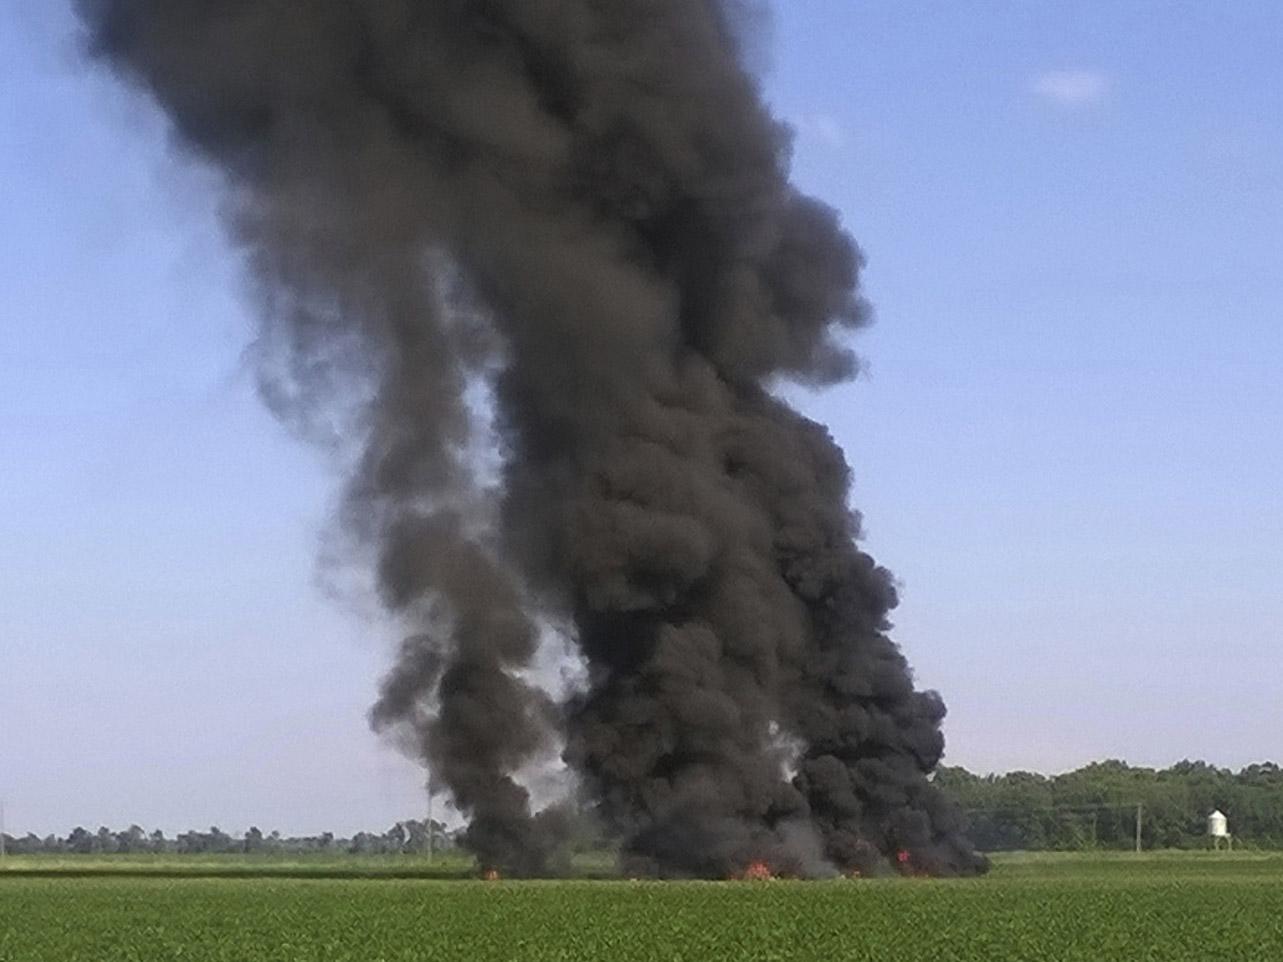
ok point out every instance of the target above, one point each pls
(1161, 908)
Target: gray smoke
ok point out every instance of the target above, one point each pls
(585, 205)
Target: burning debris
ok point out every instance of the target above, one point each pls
(584, 206)
(757, 872)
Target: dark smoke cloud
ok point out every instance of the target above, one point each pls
(586, 204)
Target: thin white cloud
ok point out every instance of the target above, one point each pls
(823, 128)
(1072, 88)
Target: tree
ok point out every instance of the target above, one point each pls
(80, 841)
(132, 839)
(254, 841)
(396, 838)
(1096, 805)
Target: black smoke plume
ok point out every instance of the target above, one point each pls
(585, 205)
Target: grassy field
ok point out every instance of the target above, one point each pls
(1165, 908)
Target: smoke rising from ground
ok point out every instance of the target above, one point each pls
(586, 205)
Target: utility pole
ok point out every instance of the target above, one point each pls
(1140, 814)
(429, 819)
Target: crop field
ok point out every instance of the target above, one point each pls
(1161, 908)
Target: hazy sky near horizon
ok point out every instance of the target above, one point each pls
(1067, 444)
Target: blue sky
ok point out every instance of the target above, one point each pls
(1067, 444)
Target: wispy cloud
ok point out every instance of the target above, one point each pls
(823, 128)
(1072, 88)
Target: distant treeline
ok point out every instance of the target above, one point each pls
(402, 838)
(1095, 807)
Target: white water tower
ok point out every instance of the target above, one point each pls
(1218, 829)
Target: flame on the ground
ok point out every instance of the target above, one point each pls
(757, 872)
(491, 875)
(904, 860)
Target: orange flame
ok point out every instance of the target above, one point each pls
(491, 875)
(757, 872)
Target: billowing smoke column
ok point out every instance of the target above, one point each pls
(585, 205)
